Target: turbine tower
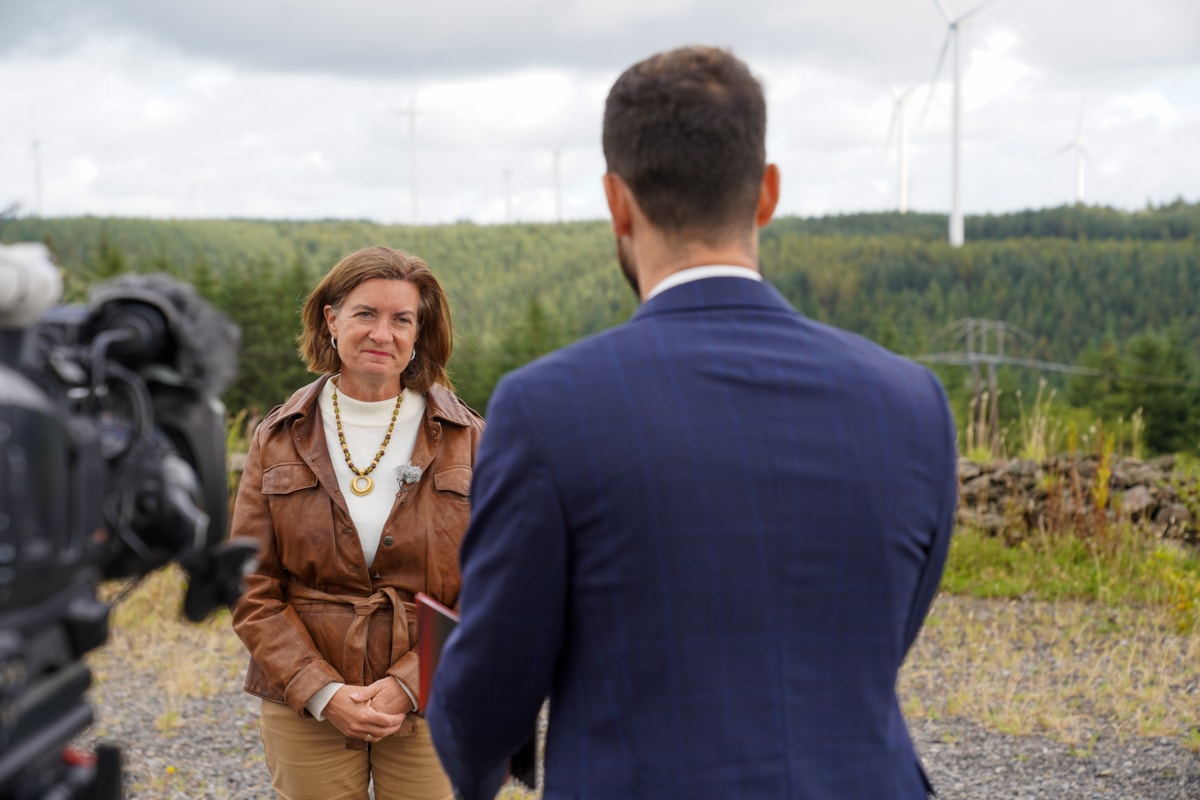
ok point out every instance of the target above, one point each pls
(1081, 154)
(556, 157)
(35, 147)
(953, 28)
(508, 195)
(558, 184)
(898, 127)
(411, 112)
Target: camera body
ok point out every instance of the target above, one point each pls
(112, 464)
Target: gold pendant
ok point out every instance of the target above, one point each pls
(367, 485)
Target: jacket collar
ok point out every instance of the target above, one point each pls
(713, 293)
(440, 403)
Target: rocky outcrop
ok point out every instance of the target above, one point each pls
(1013, 498)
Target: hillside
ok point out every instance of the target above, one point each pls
(1079, 285)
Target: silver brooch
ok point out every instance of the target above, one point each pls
(408, 473)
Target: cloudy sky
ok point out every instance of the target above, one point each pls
(303, 108)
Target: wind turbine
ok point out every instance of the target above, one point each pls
(508, 195)
(411, 112)
(898, 126)
(558, 183)
(953, 28)
(556, 154)
(1081, 153)
(35, 147)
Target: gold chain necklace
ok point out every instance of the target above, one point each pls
(363, 483)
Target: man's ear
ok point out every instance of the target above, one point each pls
(768, 196)
(616, 191)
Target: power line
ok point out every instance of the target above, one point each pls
(1050, 366)
(975, 332)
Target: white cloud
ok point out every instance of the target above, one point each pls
(286, 108)
(592, 19)
(993, 71)
(81, 171)
(210, 80)
(1153, 107)
(525, 104)
(159, 112)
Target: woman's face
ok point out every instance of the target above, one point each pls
(376, 330)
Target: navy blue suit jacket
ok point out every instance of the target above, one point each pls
(710, 536)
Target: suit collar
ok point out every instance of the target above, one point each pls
(697, 273)
(713, 293)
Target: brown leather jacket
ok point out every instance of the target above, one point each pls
(312, 613)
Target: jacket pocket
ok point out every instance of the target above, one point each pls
(456, 479)
(287, 478)
(302, 522)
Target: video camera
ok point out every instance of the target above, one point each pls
(112, 464)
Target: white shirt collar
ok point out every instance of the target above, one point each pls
(699, 273)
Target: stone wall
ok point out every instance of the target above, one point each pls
(1013, 498)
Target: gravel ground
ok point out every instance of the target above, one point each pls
(208, 747)
(967, 762)
(214, 751)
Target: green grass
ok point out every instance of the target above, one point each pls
(1088, 630)
(1123, 566)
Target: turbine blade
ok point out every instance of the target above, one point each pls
(933, 81)
(942, 10)
(887, 141)
(1079, 119)
(888, 84)
(972, 12)
(883, 79)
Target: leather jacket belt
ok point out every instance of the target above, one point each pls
(354, 654)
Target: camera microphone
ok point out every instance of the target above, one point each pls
(197, 341)
(29, 283)
(134, 333)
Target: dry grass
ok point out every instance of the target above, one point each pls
(148, 630)
(1067, 670)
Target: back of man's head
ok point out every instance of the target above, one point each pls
(686, 131)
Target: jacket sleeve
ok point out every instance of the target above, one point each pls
(498, 664)
(266, 623)
(945, 497)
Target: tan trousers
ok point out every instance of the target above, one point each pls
(308, 760)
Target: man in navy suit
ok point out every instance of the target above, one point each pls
(711, 534)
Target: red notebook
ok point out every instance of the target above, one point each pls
(434, 623)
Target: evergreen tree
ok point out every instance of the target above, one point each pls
(1170, 403)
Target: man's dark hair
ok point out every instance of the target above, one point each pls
(686, 130)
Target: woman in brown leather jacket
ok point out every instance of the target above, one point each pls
(357, 490)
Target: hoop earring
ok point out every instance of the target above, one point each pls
(333, 341)
(413, 357)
